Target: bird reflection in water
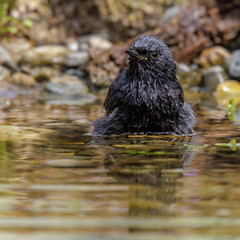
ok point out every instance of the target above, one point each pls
(150, 165)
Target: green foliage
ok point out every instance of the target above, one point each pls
(8, 24)
(27, 23)
(232, 144)
(231, 109)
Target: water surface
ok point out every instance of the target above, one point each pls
(57, 182)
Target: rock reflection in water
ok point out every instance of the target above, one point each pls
(151, 165)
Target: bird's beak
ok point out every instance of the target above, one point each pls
(134, 54)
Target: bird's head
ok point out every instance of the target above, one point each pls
(152, 54)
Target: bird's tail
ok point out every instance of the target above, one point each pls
(187, 121)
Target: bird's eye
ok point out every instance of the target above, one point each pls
(154, 55)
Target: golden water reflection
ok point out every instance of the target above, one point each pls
(57, 182)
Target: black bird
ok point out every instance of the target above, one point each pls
(146, 97)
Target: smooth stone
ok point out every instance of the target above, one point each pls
(211, 77)
(228, 90)
(171, 13)
(11, 66)
(4, 55)
(85, 38)
(4, 74)
(234, 65)
(194, 67)
(229, 87)
(102, 77)
(73, 46)
(187, 77)
(183, 70)
(84, 46)
(48, 54)
(76, 72)
(98, 41)
(43, 73)
(18, 47)
(67, 85)
(76, 59)
(213, 56)
(22, 79)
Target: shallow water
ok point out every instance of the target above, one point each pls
(57, 182)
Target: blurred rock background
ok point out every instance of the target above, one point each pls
(72, 50)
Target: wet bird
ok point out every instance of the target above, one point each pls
(146, 97)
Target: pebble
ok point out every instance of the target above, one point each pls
(4, 55)
(17, 47)
(228, 90)
(41, 74)
(73, 46)
(234, 65)
(76, 59)
(183, 70)
(84, 46)
(23, 79)
(186, 76)
(48, 54)
(98, 41)
(102, 77)
(213, 56)
(67, 85)
(4, 74)
(211, 77)
(171, 13)
(76, 72)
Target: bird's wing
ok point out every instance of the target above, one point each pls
(176, 99)
(176, 94)
(115, 96)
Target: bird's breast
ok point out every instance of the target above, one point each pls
(150, 97)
